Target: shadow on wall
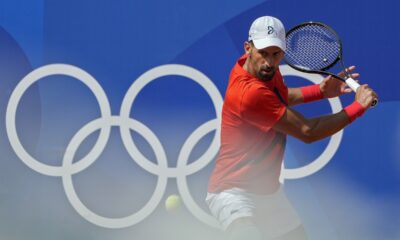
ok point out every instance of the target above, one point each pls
(14, 65)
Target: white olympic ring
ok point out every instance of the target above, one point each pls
(68, 162)
(126, 123)
(26, 82)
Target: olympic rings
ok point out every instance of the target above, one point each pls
(126, 123)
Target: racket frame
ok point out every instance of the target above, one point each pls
(354, 85)
(323, 70)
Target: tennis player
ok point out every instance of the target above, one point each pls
(244, 192)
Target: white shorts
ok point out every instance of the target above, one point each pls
(273, 214)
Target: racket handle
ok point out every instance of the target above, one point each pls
(354, 86)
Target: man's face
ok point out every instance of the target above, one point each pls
(263, 62)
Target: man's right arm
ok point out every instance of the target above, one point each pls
(311, 130)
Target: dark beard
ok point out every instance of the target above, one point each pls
(266, 77)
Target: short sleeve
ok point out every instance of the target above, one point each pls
(261, 107)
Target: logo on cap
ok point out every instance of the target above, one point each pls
(271, 30)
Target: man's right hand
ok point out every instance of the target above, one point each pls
(365, 96)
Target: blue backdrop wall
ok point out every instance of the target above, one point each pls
(109, 107)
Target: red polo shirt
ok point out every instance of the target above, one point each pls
(251, 150)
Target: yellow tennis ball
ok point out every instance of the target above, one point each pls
(173, 203)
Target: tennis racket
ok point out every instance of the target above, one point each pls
(314, 47)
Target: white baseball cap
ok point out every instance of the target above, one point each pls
(267, 31)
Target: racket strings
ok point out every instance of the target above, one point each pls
(312, 47)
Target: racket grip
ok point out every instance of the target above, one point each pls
(354, 86)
